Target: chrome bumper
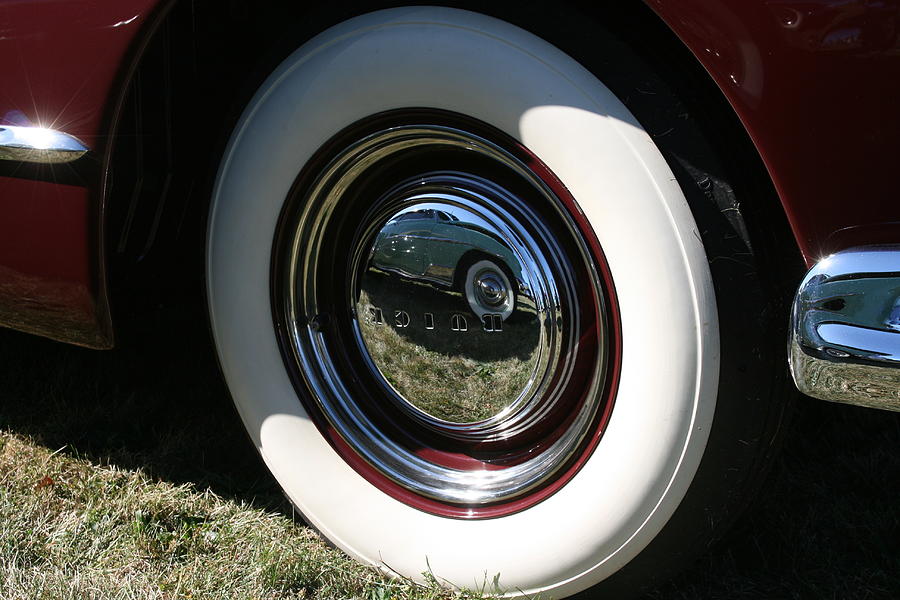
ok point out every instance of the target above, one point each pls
(845, 328)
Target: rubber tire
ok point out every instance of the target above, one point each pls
(487, 69)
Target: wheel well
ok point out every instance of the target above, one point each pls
(204, 62)
(198, 70)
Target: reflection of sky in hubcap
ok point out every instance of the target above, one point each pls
(452, 356)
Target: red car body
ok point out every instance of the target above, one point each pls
(70, 63)
(816, 84)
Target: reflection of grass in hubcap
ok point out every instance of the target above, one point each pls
(461, 377)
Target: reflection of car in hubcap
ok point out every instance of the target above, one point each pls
(441, 242)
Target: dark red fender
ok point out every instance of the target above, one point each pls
(817, 85)
(63, 65)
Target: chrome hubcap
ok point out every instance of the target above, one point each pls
(435, 318)
(436, 305)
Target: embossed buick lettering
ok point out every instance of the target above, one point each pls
(375, 315)
(459, 323)
(491, 322)
(401, 318)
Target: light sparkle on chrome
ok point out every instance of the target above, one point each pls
(38, 145)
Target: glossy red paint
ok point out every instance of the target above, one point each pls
(63, 63)
(816, 83)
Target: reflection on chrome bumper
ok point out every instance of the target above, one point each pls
(845, 328)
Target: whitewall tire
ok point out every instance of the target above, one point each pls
(464, 63)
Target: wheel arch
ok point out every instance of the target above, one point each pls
(156, 187)
(193, 71)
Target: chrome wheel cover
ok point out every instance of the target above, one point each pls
(431, 289)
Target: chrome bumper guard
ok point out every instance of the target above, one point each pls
(845, 328)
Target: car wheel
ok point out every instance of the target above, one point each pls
(489, 292)
(549, 452)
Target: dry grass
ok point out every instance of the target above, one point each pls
(127, 474)
(73, 529)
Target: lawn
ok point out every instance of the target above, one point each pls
(72, 528)
(126, 474)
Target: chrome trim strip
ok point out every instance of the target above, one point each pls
(845, 328)
(39, 145)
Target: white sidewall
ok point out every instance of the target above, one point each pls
(495, 72)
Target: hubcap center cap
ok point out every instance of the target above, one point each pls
(491, 289)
